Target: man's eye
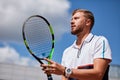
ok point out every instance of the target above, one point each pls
(76, 17)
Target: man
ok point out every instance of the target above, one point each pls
(88, 58)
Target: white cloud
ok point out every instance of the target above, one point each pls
(10, 55)
(14, 12)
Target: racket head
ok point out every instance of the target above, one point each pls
(38, 37)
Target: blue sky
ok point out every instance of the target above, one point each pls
(58, 12)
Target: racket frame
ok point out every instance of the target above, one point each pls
(27, 45)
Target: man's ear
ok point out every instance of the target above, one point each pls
(88, 22)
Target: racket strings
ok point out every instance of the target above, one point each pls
(38, 37)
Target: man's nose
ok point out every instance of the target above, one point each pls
(72, 21)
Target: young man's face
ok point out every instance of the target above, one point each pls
(78, 23)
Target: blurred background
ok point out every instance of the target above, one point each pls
(58, 12)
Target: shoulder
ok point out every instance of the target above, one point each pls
(101, 43)
(100, 39)
(98, 42)
(102, 48)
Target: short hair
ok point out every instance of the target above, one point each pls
(88, 14)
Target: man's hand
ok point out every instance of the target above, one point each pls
(53, 68)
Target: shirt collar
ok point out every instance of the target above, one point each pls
(87, 39)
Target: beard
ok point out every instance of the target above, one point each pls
(77, 30)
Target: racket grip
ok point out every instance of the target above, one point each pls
(49, 77)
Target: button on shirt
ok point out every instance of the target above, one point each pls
(92, 47)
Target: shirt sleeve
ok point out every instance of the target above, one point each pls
(102, 49)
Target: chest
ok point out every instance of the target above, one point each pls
(77, 57)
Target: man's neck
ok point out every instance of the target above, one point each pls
(80, 38)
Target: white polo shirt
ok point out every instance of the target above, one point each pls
(93, 47)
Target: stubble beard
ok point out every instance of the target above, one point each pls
(77, 31)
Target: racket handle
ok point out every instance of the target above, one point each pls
(49, 77)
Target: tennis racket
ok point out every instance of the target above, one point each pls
(38, 38)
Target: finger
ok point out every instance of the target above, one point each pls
(43, 68)
(49, 61)
(47, 66)
(49, 71)
(43, 65)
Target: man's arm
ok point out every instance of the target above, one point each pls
(99, 67)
